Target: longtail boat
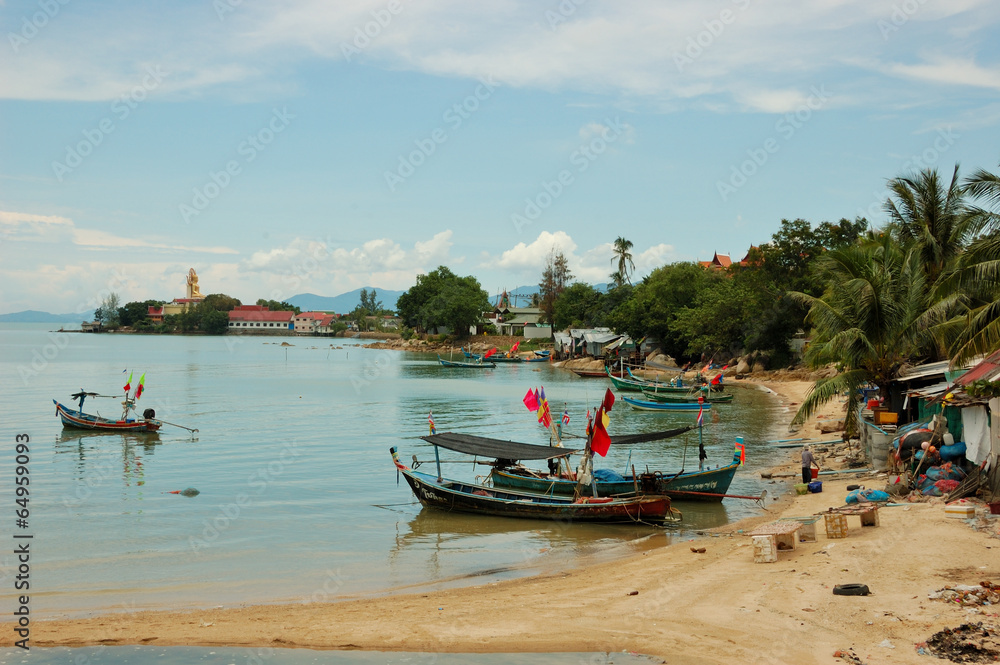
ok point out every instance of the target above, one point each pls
(499, 358)
(80, 420)
(713, 397)
(706, 485)
(454, 495)
(469, 354)
(473, 365)
(644, 405)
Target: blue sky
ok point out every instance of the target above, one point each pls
(310, 146)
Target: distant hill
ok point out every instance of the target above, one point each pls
(34, 316)
(343, 303)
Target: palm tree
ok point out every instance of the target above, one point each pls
(977, 332)
(871, 321)
(624, 258)
(931, 217)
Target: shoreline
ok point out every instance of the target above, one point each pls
(689, 607)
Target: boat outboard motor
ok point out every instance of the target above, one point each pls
(149, 414)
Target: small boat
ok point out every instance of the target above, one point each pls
(469, 354)
(713, 397)
(81, 420)
(545, 353)
(595, 373)
(473, 365)
(498, 358)
(706, 485)
(459, 496)
(643, 405)
(537, 359)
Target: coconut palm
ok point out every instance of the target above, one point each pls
(931, 217)
(978, 274)
(624, 258)
(871, 321)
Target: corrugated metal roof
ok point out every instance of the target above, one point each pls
(988, 369)
(923, 371)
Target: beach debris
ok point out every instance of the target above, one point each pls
(848, 656)
(984, 593)
(851, 590)
(189, 491)
(698, 550)
(633, 593)
(968, 643)
(886, 644)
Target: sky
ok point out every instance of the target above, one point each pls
(320, 146)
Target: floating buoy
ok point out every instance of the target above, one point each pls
(190, 491)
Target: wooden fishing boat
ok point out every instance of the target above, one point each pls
(469, 354)
(537, 359)
(706, 485)
(459, 496)
(505, 359)
(713, 397)
(80, 420)
(473, 365)
(545, 353)
(644, 405)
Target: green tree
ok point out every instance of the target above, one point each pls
(871, 320)
(555, 278)
(578, 306)
(107, 313)
(135, 313)
(441, 298)
(623, 256)
(276, 306)
(370, 304)
(932, 217)
(214, 322)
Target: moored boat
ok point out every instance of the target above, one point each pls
(645, 405)
(472, 365)
(80, 420)
(454, 495)
(713, 397)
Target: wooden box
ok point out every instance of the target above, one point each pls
(836, 526)
(765, 549)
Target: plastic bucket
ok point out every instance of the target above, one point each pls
(802, 488)
(995, 508)
(815, 487)
(815, 473)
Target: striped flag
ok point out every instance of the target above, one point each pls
(430, 421)
(565, 417)
(701, 415)
(142, 384)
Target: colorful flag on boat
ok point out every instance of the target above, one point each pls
(513, 349)
(141, 387)
(128, 384)
(430, 421)
(740, 452)
(531, 400)
(609, 400)
(600, 442)
(701, 415)
(565, 417)
(489, 353)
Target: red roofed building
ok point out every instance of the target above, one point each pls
(259, 319)
(307, 323)
(718, 262)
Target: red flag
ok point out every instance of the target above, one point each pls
(601, 442)
(513, 349)
(609, 400)
(142, 383)
(489, 353)
(128, 384)
(530, 401)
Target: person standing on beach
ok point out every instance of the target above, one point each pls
(808, 461)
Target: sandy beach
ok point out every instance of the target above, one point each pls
(670, 602)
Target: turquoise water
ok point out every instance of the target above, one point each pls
(299, 501)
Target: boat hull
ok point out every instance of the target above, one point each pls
(673, 398)
(79, 420)
(693, 486)
(643, 405)
(458, 365)
(462, 497)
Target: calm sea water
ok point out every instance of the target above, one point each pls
(299, 500)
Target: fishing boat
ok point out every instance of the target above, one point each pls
(713, 397)
(644, 405)
(500, 358)
(80, 420)
(459, 496)
(705, 485)
(537, 359)
(469, 354)
(473, 365)
(545, 353)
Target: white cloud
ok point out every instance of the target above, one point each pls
(762, 57)
(534, 255)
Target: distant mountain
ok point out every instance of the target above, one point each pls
(34, 316)
(343, 303)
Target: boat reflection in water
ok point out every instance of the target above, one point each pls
(101, 456)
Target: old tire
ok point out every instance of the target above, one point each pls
(851, 590)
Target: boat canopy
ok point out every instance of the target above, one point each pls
(496, 448)
(650, 436)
